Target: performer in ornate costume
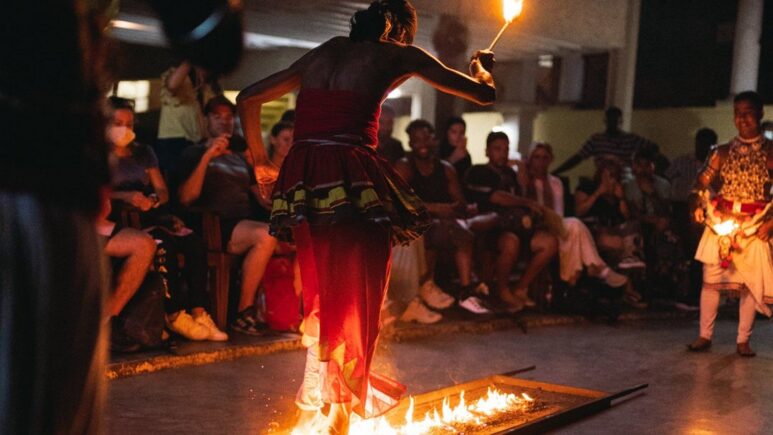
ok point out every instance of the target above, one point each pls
(735, 249)
(344, 204)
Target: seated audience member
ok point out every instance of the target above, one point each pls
(137, 182)
(388, 147)
(602, 206)
(436, 183)
(649, 198)
(684, 170)
(494, 187)
(288, 116)
(185, 89)
(216, 176)
(683, 173)
(577, 249)
(409, 266)
(648, 195)
(136, 248)
(280, 141)
(453, 145)
(613, 143)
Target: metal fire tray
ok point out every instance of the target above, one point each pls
(556, 405)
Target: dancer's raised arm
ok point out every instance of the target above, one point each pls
(477, 87)
(251, 98)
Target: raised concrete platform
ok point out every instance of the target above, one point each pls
(239, 346)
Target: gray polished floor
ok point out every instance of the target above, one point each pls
(716, 392)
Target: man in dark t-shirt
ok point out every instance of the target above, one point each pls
(215, 176)
(494, 187)
(436, 183)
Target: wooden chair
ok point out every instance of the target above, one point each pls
(130, 217)
(220, 263)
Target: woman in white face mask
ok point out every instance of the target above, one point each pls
(136, 179)
(137, 183)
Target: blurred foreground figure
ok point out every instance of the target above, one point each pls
(53, 169)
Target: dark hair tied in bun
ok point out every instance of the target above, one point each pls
(393, 20)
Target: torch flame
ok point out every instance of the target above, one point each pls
(725, 228)
(512, 9)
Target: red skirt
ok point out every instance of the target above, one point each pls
(345, 270)
(339, 180)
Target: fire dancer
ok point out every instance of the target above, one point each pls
(738, 258)
(342, 202)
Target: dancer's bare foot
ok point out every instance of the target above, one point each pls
(338, 418)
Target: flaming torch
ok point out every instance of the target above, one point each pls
(512, 9)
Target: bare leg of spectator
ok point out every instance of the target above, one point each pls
(252, 239)
(611, 244)
(509, 244)
(463, 258)
(543, 248)
(138, 248)
(430, 257)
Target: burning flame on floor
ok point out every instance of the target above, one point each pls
(476, 413)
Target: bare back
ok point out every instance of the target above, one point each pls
(369, 68)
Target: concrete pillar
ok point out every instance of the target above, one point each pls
(511, 126)
(572, 77)
(746, 47)
(622, 67)
(519, 126)
(451, 41)
(527, 91)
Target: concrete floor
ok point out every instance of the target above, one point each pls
(716, 392)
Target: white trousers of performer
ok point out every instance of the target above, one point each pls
(577, 250)
(746, 312)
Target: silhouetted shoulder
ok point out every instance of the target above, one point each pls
(449, 169)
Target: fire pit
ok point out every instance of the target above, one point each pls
(499, 404)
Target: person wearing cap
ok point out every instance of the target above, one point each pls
(184, 92)
(215, 175)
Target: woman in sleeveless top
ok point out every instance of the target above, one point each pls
(344, 205)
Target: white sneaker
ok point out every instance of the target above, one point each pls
(612, 278)
(474, 305)
(434, 296)
(417, 312)
(215, 334)
(185, 326)
(632, 263)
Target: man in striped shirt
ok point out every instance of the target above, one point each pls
(612, 143)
